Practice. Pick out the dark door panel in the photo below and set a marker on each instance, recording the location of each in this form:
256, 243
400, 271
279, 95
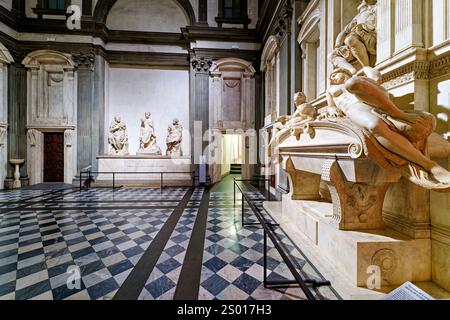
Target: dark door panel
53, 157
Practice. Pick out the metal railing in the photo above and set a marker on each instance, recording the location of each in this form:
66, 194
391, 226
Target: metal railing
270, 233
250, 181
90, 177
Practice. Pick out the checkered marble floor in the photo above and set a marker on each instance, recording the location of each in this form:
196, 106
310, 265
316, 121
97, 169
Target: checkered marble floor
162, 283
38, 246
103, 234
233, 258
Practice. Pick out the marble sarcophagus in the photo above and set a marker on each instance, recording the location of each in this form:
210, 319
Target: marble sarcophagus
338, 181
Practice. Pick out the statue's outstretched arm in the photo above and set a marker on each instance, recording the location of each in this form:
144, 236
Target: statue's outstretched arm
370, 92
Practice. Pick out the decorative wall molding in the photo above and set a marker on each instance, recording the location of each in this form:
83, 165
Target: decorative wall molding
440, 67
441, 233
415, 230
417, 70
96, 27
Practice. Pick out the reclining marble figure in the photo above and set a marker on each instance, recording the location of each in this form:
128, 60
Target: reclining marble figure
403, 134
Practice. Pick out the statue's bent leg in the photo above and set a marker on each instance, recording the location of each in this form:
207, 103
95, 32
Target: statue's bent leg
358, 49
362, 116
401, 146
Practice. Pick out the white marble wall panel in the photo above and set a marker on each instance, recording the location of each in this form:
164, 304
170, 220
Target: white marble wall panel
164, 93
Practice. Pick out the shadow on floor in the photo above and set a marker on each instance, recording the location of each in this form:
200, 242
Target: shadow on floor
49, 186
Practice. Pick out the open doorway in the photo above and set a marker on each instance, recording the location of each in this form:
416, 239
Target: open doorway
54, 157
232, 154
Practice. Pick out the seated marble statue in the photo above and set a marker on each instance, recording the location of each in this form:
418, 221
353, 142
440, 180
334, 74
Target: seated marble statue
368, 105
360, 34
147, 137
118, 137
174, 139
298, 122
343, 58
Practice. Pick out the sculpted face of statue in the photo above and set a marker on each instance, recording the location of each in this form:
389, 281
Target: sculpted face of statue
339, 76
299, 98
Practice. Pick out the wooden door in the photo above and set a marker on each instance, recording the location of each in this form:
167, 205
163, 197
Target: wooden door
54, 157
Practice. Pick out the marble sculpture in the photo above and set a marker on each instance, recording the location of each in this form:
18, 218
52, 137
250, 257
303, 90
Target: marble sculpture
118, 137
357, 102
174, 139
357, 43
147, 139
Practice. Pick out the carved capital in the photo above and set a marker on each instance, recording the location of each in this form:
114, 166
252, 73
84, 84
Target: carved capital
201, 64
84, 60
283, 26
18, 54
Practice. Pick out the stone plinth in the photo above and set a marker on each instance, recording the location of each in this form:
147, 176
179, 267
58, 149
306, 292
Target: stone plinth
399, 257
128, 169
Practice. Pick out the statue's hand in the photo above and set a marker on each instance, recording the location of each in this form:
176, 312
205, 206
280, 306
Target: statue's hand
282, 120
411, 117
330, 113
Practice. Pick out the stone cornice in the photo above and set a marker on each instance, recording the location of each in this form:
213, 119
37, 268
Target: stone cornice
417, 70
83, 54
407, 73
94, 28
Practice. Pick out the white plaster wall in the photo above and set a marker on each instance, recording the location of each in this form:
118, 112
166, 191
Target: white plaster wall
147, 15
164, 93
6, 3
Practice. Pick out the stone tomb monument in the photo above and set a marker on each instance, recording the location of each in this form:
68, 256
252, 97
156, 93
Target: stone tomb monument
144, 168
341, 163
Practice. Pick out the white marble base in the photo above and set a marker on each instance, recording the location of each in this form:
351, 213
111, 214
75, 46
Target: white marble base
344, 256
177, 170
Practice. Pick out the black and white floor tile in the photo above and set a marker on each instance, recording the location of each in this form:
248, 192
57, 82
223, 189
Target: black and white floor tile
103, 234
